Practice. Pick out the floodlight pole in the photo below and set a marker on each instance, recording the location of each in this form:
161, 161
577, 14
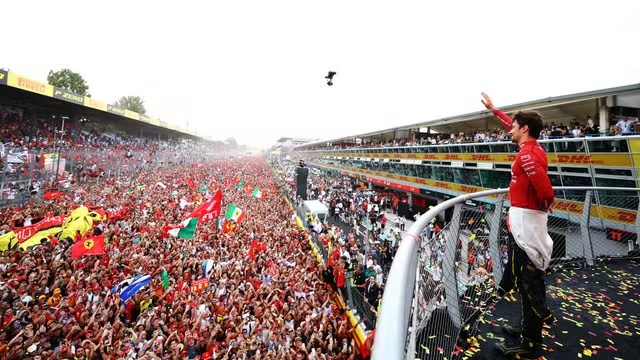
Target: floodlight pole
59, 149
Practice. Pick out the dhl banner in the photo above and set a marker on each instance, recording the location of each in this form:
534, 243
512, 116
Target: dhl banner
23, 83
623, 216
634, 148
606, 159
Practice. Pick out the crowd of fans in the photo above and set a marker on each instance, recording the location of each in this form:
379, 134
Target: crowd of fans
361, 236
269, 303
575, 129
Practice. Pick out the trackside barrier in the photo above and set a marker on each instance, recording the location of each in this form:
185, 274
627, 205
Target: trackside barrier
440, 283
320, 253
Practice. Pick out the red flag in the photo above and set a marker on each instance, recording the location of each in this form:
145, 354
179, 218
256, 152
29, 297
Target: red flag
52, 195
119, 214
209, 210
26, 232
256, 247
199, 285
90, 246
191, 183
229, 226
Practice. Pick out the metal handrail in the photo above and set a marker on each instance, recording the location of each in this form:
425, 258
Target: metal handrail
393, 319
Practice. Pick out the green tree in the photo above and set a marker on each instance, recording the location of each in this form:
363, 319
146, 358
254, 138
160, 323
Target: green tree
69, 80
131, 103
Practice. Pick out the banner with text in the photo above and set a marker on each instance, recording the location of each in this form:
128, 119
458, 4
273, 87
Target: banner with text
67, 95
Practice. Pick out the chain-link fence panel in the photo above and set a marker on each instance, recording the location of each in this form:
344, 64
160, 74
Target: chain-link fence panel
436, 313
614, 224
459, 264
455, 281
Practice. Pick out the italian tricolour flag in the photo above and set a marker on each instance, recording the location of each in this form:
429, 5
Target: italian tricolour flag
186, 229
234, 213
257, 193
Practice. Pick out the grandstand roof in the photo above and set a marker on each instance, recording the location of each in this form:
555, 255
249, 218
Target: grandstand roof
294, 141
19, 91
557, 109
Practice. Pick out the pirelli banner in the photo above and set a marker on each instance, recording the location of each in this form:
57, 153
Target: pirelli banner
26, 84
67, 95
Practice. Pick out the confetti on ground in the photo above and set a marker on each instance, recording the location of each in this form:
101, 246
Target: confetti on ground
597, 311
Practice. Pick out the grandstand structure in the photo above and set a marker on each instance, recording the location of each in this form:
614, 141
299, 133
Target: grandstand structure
436, 173
440, 163
49, 130
18, 91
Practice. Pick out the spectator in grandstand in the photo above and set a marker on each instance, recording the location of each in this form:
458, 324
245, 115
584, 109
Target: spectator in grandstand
531, 197
626, 125
577, 131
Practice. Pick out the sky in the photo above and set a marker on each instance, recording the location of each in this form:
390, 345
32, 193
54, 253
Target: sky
254, 70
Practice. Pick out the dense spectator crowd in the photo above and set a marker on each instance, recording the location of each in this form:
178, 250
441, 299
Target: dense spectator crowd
362, 234
575, 129
266, 302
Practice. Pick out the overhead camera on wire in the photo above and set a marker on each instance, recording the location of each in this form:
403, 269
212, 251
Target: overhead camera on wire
329, 77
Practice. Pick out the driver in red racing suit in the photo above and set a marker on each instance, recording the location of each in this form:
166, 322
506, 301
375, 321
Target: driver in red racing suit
530, 186
530, 191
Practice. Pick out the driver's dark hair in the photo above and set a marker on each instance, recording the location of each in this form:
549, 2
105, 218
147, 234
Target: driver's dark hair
532, 119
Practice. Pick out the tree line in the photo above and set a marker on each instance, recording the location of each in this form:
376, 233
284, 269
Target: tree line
73, 81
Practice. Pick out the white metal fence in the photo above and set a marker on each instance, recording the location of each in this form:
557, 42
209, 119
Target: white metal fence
435, 292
